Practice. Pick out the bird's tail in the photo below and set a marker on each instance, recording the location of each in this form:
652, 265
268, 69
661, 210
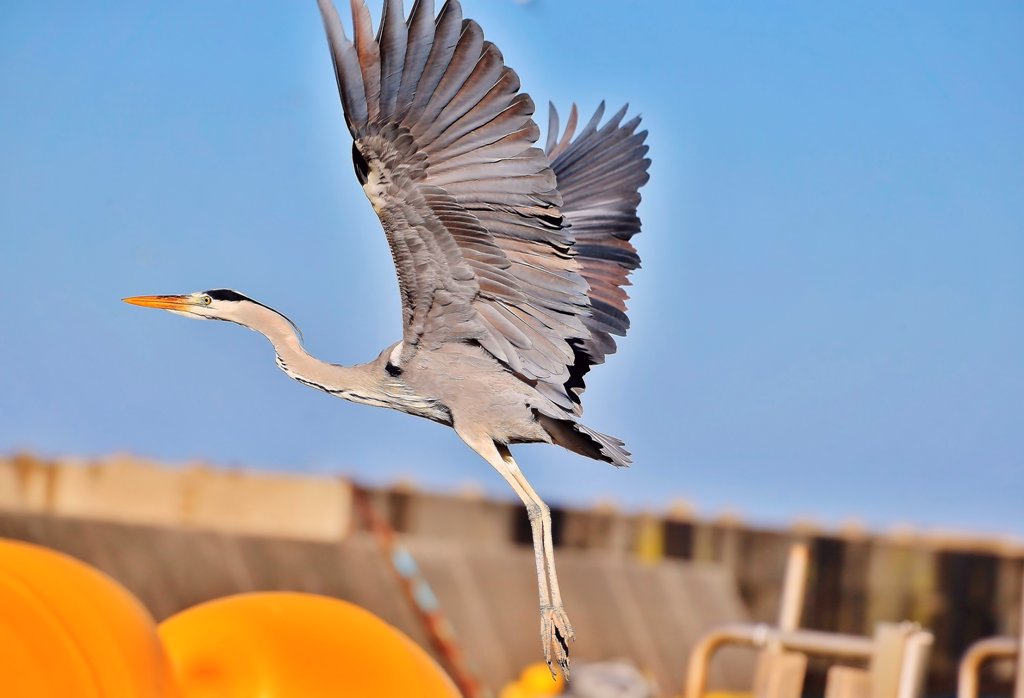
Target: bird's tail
585, 441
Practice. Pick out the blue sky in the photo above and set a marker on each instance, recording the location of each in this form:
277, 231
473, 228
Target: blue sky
828, 324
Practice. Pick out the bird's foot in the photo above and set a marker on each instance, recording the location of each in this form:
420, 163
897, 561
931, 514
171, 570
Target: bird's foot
555, 634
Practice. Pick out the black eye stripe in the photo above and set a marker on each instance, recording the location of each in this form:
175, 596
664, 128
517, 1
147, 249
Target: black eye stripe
226, 294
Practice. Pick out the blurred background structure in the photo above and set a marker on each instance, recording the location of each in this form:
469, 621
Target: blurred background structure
645, 587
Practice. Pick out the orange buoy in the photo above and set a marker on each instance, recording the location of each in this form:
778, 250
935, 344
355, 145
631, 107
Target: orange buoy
67, 629
290, 645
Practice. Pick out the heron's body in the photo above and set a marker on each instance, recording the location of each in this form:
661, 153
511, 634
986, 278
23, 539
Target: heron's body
443, 386
456, 383
511, 260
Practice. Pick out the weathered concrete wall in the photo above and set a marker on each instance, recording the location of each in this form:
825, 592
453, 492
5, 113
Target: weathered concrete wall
129, 489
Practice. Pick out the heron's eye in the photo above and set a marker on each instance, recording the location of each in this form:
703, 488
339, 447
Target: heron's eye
207, 300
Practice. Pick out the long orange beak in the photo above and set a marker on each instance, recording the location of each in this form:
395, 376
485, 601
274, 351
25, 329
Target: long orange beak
164, 302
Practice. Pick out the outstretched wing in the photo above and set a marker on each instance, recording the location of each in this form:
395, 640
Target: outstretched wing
599, 175
444, 151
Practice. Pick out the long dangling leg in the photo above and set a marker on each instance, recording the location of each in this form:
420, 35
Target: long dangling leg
555, 630
560, 628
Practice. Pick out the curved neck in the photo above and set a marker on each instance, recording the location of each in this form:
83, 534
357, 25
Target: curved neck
368, 384
292, 357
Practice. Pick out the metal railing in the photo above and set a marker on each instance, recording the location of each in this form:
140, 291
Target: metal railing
812, 642
897, 655
976, 655
989, 649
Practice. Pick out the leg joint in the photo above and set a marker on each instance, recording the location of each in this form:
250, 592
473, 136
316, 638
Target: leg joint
537, 511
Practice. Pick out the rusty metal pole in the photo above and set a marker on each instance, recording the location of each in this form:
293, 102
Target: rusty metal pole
421, 597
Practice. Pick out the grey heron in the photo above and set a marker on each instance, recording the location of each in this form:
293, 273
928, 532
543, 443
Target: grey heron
511, 259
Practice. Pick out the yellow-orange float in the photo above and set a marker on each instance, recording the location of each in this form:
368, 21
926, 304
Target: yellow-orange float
290, 645
535, 681
67, 629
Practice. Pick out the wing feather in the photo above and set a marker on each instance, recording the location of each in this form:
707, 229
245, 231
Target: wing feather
473, 94
392, 39
420, 38
444, 145
368, 52
463, 60
346, 62
600, 171
448, 27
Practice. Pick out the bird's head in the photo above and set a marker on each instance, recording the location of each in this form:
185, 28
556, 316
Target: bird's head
216, 304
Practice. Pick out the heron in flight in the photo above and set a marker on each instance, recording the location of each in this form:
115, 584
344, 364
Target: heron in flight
511, 259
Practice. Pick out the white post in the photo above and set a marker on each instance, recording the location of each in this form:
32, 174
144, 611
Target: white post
794, 587
914, 664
